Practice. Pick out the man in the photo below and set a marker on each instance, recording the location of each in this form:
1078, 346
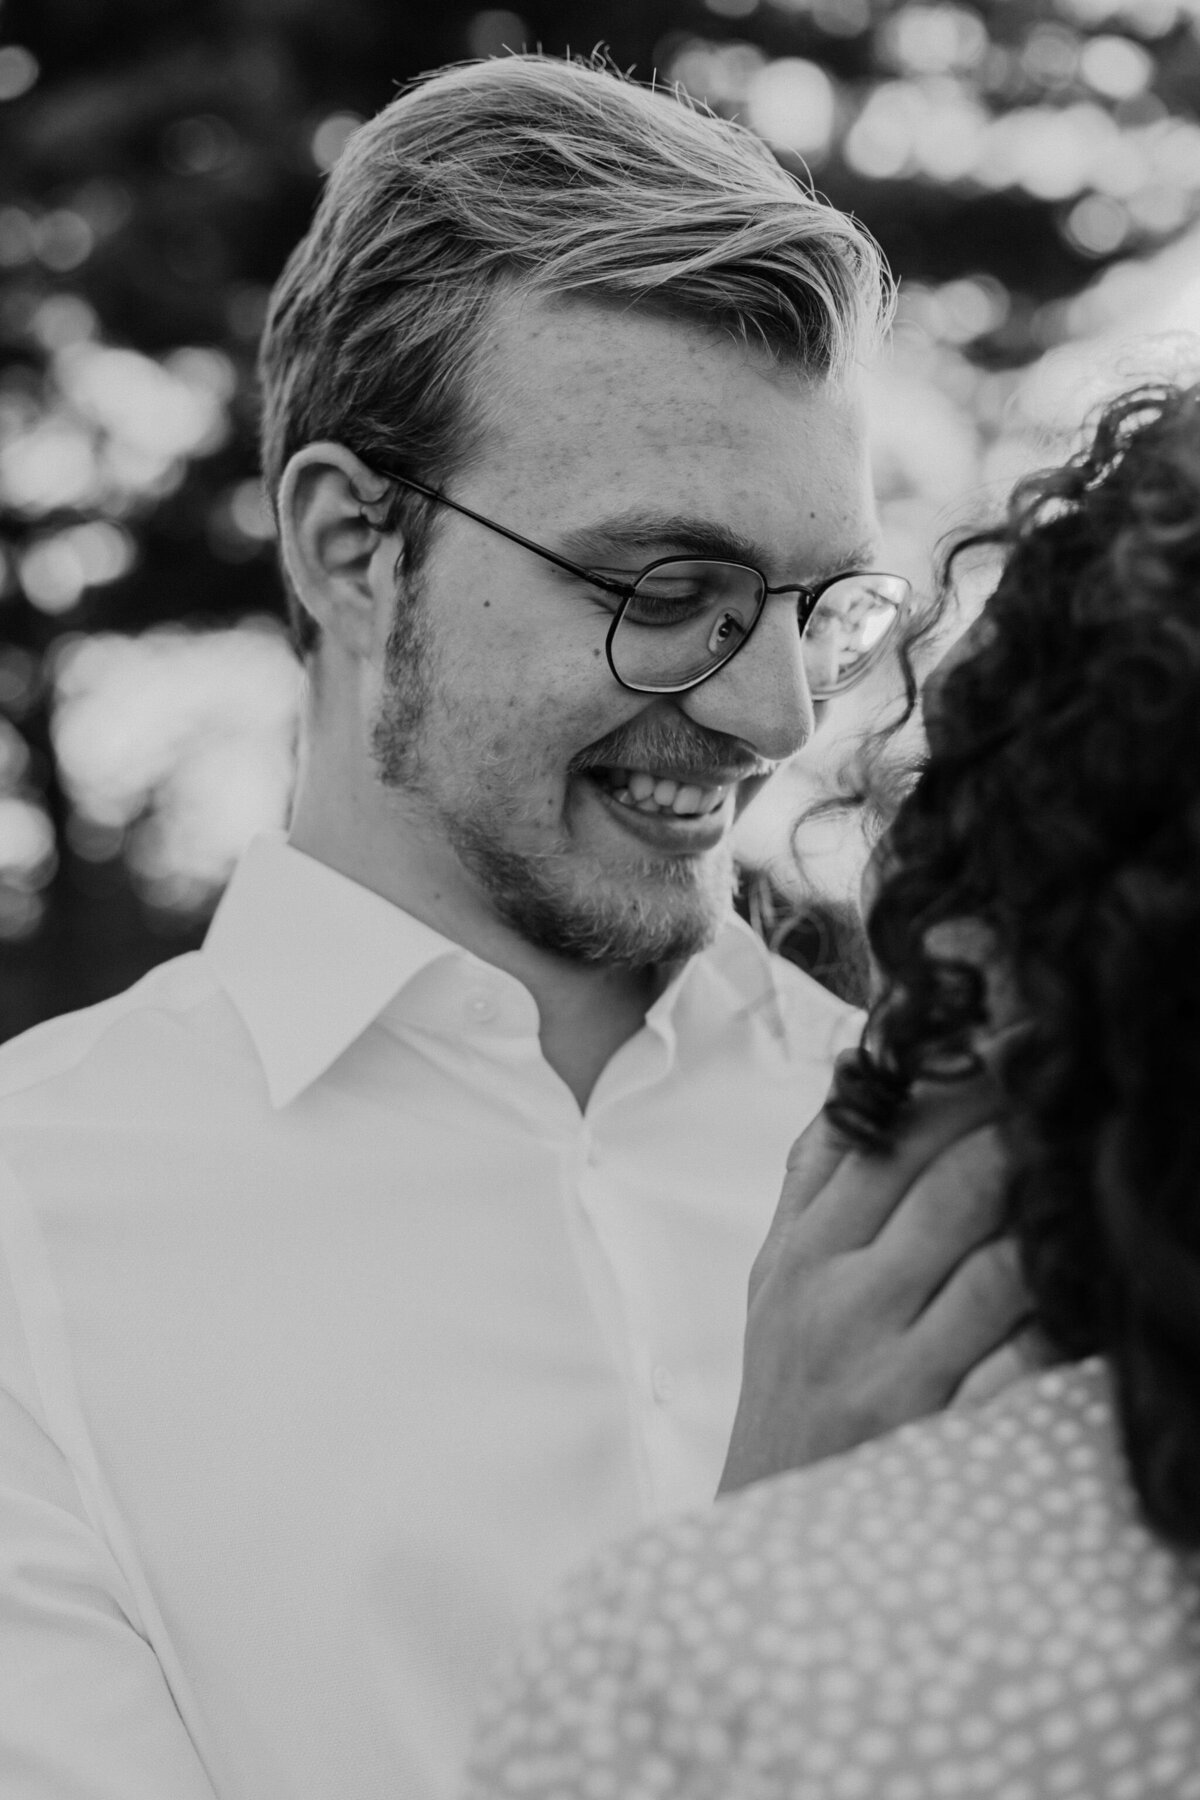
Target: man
370, 1268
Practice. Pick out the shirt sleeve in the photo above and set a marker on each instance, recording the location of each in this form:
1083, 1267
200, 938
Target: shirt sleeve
85, 1709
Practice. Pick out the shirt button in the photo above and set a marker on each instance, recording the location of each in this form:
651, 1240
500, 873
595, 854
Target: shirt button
481, 1007
662, 1384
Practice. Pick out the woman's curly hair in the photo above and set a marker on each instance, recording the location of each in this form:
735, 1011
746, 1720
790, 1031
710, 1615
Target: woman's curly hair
1057, 818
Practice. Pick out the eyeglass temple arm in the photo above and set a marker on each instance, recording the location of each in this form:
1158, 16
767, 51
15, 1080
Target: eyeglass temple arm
621, 589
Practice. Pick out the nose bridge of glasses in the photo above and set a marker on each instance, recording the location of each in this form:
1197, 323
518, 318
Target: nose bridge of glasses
806, 599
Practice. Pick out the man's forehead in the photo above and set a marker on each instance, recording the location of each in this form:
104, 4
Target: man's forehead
599, 413
563, 372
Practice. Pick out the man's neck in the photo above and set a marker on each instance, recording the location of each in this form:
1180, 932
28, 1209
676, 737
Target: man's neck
585, 1022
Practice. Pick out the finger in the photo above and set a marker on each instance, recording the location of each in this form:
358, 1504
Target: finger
820, 1146
984, 1303
956, 1204
811, 1161
864, 1189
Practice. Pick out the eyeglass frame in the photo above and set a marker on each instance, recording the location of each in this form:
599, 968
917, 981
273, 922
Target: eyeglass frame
625, 592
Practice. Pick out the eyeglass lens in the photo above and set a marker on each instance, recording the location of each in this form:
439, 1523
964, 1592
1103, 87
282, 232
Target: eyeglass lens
686, 618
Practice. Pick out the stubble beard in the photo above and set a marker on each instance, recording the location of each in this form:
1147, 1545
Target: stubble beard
658, 911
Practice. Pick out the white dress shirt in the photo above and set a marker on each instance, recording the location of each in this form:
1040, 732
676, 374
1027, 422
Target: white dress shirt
332, 1335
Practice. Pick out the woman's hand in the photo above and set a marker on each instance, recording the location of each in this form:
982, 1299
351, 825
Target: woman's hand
882, 1285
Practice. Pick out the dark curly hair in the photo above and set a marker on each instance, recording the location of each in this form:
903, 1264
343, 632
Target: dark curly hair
1057, 818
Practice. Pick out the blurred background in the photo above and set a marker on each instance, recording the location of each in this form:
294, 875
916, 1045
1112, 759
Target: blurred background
1031, 168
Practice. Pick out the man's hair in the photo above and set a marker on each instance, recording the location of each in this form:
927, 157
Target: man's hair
548, 178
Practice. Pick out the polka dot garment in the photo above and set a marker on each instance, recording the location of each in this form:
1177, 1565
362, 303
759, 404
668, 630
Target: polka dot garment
967, 1607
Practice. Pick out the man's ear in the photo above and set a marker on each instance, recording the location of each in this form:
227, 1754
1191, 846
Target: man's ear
340, 564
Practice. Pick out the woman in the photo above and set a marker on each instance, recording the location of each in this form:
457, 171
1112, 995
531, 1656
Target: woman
1003, 1601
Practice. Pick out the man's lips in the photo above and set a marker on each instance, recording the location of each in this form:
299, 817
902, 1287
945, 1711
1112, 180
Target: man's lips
664, 829
677, 813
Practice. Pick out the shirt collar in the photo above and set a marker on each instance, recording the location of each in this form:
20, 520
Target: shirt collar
741, 963
309, 959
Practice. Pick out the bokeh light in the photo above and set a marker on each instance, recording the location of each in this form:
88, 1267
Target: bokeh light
497, 30
719, 74
791, 103
116, 426
177, 746
1098, 224
56, 568
1115, 67
18, 71
937, 39
330, 138
28, 860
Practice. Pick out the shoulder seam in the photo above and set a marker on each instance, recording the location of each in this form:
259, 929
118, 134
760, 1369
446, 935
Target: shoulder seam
58, 1045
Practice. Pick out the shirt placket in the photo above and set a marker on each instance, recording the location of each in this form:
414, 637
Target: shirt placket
649, 1380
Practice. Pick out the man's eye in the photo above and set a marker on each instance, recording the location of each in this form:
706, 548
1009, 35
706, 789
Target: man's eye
665, 603
672, 587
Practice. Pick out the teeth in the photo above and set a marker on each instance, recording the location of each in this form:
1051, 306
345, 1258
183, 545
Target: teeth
647, 793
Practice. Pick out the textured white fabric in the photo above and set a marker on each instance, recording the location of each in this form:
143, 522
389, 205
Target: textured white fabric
968, 1607
332, 1335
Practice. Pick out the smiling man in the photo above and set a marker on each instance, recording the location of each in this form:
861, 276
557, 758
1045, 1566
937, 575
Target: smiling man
517, 797
366, 1271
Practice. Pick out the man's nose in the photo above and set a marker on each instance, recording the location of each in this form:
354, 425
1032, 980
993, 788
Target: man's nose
761, 695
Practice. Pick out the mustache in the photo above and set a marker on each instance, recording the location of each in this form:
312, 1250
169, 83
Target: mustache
670, 743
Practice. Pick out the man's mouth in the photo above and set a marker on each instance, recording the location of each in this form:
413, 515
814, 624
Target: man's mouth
649, 791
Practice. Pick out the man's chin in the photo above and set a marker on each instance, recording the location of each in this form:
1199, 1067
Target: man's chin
657, 912
629, 930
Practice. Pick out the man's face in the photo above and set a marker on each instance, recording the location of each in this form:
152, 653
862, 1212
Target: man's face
595, 822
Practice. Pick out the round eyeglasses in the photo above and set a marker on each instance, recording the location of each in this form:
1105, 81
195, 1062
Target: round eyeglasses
683, 618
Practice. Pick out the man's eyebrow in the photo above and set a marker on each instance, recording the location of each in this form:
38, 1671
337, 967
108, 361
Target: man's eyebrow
647, 531
863, 556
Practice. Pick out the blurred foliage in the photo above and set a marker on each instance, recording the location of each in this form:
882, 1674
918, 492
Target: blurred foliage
157, 163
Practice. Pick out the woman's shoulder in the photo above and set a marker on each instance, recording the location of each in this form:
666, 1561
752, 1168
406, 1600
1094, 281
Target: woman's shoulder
1049, 1441
969, 1600
1037, 1470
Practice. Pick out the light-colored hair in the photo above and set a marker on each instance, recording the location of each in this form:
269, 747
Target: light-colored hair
555, 179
